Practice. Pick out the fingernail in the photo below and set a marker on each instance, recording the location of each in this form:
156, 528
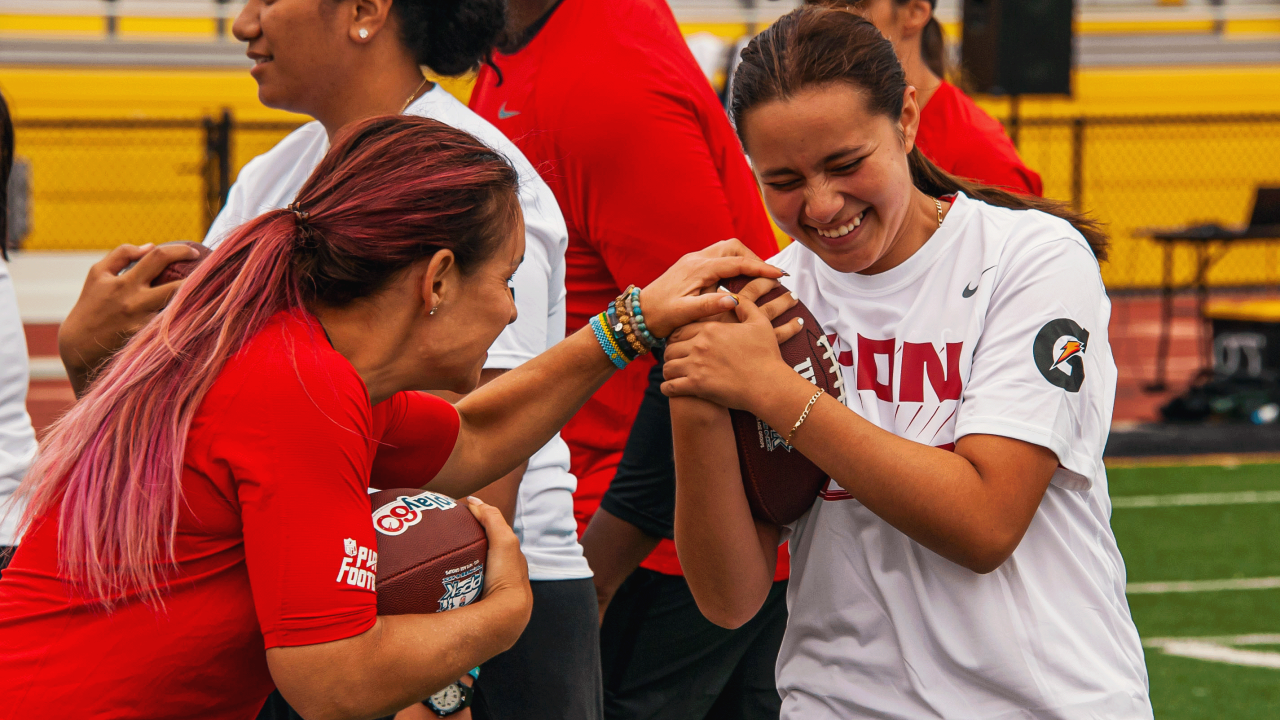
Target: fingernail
786, 274
148, 246
474, 500
795, 297
801, 321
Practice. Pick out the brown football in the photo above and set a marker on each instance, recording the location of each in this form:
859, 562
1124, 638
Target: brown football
781, 483
180, 269
431, 552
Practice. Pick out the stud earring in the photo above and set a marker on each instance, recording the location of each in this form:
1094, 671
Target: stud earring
364, 33
433, 311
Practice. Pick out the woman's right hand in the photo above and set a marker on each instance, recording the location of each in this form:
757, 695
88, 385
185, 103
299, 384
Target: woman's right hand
113, 305
506, 573
685, 292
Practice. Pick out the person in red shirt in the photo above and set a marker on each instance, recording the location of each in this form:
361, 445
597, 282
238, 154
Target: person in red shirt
956, 134
604, 97
189, 520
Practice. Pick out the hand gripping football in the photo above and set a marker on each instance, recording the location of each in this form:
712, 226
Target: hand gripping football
431, 552
781, 483
180, 269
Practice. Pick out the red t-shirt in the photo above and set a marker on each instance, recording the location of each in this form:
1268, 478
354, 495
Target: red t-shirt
275, 479
963, 140
610, 106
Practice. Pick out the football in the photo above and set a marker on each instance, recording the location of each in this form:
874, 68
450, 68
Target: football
431, 552
780, 482
180, 269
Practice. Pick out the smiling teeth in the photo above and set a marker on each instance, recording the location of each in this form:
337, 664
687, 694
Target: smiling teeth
843, 229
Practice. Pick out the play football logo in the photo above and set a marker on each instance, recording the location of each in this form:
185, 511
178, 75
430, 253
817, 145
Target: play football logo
1058, 352
396, 517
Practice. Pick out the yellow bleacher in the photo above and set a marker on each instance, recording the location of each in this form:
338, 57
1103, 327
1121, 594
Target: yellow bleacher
1182, 174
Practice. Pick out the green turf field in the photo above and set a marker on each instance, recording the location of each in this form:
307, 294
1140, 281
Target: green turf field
1212, 523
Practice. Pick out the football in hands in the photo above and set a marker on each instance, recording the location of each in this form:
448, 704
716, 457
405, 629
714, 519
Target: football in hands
781, 484
431, 552
180, 269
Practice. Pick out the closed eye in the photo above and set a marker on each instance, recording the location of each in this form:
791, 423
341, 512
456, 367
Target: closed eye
784, 184
847, 167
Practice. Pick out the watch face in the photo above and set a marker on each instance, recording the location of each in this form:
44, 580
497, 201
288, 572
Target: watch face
447, 699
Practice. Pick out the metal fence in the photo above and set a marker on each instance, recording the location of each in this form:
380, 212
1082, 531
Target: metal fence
1138, 173
98, 183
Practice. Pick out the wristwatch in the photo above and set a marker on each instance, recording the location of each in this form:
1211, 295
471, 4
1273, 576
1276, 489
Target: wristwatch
453, 698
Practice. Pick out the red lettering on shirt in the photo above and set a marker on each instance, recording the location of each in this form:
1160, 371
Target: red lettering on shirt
868, 370
921, 358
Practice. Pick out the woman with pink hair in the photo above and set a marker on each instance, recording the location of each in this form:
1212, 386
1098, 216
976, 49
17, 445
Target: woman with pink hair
195, 506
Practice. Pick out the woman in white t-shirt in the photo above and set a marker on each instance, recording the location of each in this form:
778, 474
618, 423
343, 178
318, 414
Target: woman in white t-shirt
17, 438
960, 562
343, 61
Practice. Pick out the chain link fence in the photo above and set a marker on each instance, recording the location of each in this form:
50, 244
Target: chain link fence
98, 183
1162, 172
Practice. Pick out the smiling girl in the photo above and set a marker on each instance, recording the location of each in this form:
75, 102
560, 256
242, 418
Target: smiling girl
960, 562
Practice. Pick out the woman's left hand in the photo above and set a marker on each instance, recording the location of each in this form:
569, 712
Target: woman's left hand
730, 364
685, 292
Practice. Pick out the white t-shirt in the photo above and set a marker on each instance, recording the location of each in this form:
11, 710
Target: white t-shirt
998, 325
544, 507
17, 438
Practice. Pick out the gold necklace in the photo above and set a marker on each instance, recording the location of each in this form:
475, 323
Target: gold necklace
413, 96
938, 202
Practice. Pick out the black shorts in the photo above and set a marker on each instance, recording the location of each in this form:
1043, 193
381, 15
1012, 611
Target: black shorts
662, 659
643, 490
553, 670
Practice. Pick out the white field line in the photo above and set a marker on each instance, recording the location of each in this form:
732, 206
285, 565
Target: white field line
1221, 649
1247, 497
1197, 586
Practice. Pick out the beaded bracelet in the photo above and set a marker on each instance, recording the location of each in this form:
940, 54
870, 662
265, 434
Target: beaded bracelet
623, 324
641, 328
615, 325
605, 338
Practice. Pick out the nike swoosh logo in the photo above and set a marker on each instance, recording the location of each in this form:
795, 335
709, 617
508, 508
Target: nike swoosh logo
969, 291
504, 113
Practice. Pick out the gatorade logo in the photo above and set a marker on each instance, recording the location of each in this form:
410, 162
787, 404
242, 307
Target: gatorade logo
1058, 352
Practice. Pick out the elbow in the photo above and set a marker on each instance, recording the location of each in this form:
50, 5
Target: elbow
985, 555
730, 609
729, 618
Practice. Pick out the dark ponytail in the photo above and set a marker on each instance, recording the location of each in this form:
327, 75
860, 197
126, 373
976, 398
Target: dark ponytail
6, 166
817, 45
451, 37
932, 49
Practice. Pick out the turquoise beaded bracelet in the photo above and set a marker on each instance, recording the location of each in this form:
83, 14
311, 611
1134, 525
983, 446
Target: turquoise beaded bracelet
647, 336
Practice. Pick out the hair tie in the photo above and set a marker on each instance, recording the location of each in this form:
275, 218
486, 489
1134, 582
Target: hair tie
298, 213
306, 234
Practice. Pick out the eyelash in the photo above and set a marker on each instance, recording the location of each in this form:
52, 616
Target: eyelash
792, 184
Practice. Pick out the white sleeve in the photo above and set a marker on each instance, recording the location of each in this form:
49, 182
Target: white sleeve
539, 283
232, 214
1042, 369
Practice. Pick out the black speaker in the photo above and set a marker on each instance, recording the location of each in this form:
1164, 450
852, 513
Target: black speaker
1017, 47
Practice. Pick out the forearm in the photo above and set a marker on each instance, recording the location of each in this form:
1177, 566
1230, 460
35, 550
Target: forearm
728, 557
968, 513
504, 493
614, 548
400, 661
509, 419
